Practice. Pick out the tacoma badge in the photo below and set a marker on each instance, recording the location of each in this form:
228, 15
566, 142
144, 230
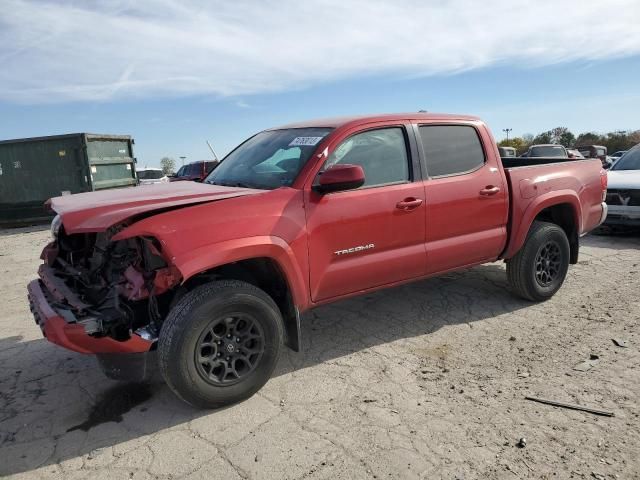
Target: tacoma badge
359, 248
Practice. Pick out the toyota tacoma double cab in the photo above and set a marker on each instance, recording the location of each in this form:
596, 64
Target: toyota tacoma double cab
213, 277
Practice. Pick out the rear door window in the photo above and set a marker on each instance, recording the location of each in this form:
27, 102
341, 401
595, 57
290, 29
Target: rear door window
451, 149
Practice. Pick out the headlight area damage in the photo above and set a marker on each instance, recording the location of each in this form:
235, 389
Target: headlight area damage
95, 295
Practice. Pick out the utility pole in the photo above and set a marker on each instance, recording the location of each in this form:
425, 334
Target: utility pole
215, 157
507, 130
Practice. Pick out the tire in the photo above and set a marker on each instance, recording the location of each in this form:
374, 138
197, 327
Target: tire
538, 270
206, 328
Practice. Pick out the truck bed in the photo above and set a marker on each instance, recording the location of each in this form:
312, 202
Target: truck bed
534, 182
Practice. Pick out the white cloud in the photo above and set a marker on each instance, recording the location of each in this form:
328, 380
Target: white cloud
101, 50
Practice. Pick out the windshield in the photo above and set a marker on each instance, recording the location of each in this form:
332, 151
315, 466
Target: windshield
548, 151
268, 160
180, 171
629, 161
150, 174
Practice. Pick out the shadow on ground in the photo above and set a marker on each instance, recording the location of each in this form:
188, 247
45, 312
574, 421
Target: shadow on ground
49, 396
56, 405
6, 231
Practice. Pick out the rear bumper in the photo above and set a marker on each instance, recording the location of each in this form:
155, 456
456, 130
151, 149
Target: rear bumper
72, 336
605, 212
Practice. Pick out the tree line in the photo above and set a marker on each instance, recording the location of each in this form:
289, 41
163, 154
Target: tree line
614, 141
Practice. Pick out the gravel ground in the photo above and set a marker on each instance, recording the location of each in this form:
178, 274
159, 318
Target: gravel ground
422, 381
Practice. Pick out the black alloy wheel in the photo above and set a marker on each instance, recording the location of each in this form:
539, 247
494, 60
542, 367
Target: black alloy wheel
548, 263
229, 349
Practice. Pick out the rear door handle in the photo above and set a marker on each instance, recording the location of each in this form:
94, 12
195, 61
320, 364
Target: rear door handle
489, 190
409, 203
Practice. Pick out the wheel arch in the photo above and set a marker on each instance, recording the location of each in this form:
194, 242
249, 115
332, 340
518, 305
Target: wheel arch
560, 208
563, 215
265, 262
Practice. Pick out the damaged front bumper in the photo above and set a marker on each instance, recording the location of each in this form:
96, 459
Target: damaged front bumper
73, 336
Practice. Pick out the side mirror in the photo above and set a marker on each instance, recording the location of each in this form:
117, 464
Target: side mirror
340, 177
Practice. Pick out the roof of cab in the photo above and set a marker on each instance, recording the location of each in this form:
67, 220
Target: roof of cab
336, 122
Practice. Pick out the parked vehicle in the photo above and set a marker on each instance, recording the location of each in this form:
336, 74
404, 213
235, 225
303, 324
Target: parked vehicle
150, 176
507, 151
618, 154
595, 151
35, 169
194, 171
573, 153
623, 193
548, 151
614, 157
215, 275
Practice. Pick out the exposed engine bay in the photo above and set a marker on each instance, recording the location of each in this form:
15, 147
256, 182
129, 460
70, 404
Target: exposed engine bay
111, 288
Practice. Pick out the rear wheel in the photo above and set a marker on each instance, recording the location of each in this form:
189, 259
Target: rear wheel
538, 270
220, 343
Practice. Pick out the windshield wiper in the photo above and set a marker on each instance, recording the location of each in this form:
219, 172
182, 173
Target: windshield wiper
242, 185
232, 184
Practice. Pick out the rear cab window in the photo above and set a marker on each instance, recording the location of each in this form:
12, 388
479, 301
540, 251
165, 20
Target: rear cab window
548, 151
150, 174
451, 149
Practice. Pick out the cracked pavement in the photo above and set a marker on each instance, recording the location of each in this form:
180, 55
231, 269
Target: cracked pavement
425, 380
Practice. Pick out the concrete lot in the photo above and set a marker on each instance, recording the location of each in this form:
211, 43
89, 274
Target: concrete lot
422, 381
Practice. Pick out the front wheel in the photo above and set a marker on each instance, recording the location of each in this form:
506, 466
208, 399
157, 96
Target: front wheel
220, 343
538, 270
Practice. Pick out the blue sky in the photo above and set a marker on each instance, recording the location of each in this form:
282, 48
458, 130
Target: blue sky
191, 72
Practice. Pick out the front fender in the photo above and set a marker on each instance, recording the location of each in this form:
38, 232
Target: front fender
192, 262
519, 229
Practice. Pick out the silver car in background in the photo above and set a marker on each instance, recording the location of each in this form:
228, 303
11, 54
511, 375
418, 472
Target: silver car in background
623, 191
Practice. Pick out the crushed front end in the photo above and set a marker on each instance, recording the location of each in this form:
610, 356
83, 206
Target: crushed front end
96, 295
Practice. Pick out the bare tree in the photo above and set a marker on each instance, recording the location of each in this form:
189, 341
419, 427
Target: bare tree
168, 165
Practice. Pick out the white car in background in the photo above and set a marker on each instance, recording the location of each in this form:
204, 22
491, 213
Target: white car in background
618, 154
623, 190
148, 176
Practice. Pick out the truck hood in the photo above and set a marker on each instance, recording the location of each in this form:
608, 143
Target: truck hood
628, 179
97, 211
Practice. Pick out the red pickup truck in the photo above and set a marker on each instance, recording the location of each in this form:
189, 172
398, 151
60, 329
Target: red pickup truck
214, 275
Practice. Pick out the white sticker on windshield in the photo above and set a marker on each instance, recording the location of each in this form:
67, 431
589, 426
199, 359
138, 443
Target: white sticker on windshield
305, 141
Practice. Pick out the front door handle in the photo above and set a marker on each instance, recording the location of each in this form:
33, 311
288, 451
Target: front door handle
409, 204
489, 190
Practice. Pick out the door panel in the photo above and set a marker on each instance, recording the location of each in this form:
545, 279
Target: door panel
464, 226
374, 235
387, 241
467, 203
